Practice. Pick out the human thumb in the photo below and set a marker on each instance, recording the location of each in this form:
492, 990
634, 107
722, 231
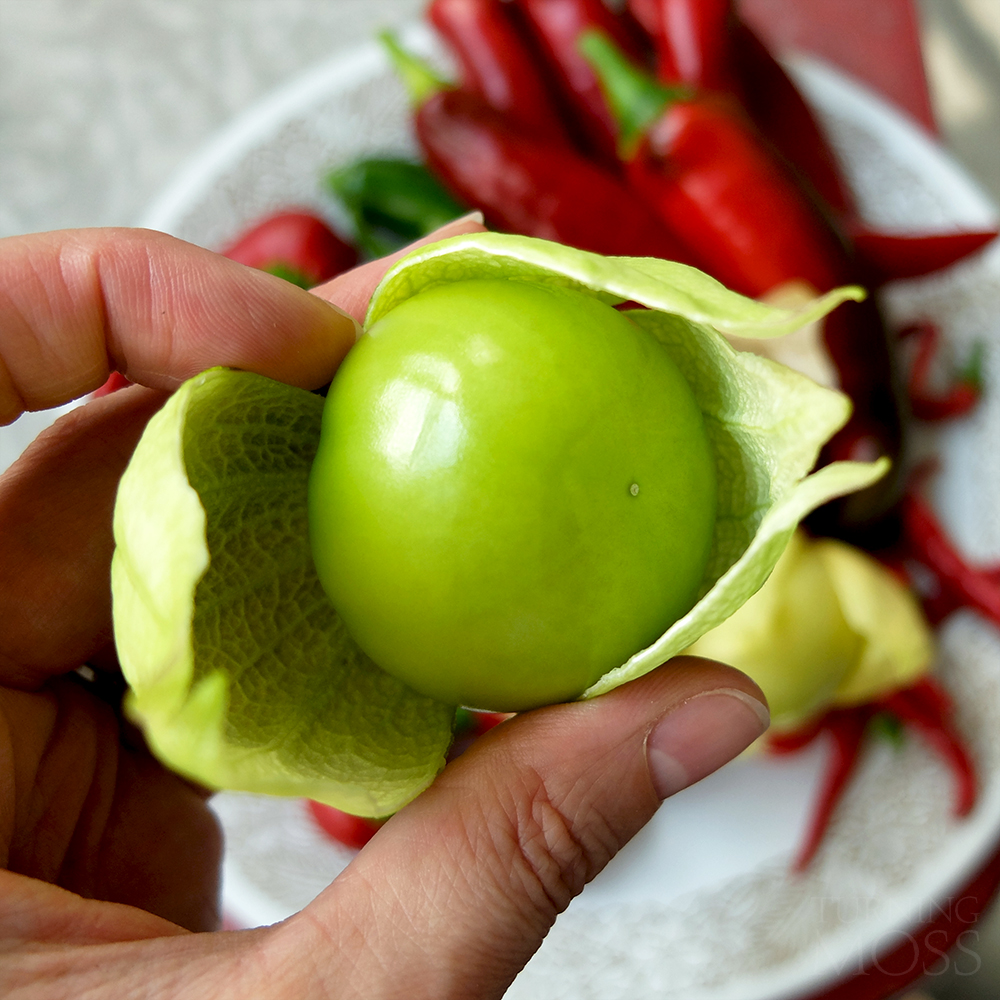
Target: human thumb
457, 891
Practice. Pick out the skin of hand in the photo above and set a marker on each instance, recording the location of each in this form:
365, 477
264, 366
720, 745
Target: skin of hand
110, 863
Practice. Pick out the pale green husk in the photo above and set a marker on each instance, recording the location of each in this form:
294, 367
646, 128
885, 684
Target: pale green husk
659, 284
243, 676
241, 673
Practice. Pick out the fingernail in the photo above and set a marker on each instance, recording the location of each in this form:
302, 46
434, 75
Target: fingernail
701, 735
476, 217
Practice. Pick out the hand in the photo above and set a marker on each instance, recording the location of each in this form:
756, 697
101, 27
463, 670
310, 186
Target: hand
111, 861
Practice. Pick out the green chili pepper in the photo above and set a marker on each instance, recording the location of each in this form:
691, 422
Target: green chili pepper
392, 202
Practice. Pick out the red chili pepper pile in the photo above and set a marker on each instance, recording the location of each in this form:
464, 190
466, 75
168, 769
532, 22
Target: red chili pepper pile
525, 182
558, 130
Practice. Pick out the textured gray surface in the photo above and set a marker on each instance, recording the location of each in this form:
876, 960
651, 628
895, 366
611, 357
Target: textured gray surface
962, 55
102, 100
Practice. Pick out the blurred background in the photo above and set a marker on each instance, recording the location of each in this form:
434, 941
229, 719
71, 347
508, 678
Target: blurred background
101, 101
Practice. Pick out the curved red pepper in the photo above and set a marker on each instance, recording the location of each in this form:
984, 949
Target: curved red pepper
691, 39
924, 706
847, 728
961, 397
497, 63
699, 42
927, 708
706, 174
294, 245
891, 256
702, 42
557, 26
700, 165
784, 118
925, 541
115, 382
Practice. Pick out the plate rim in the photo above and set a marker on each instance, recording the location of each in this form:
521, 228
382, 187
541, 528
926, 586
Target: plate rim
261, 120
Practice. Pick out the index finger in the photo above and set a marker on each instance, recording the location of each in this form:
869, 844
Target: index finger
55, 504
77, 304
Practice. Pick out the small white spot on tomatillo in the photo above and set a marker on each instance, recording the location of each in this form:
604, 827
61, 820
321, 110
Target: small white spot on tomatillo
634, 489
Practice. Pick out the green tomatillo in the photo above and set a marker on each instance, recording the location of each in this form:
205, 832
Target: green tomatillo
514, 492
245, 675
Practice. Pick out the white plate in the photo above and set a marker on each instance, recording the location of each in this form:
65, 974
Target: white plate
701, 904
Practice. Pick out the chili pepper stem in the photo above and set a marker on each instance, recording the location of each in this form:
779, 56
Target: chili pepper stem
971, 372
420, 81
636, 100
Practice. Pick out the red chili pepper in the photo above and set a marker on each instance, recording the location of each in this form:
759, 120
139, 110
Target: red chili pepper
690, 34
699, 164
924, 540
526, 186
115, 382
691, 39
557, 26
783, 117
497, 63
296, 246
965, 390
778, 109
693, 33
939, 606
928, 691
794, 740
702, 168
889, 257
523, 184
351, 831
926, 707
847, 728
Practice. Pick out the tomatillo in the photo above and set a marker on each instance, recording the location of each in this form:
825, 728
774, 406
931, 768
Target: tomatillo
514, 492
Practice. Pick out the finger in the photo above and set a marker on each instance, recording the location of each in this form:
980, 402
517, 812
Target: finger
352, 290
56, 503
55, 512
75, 305
481, 864
82, 811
